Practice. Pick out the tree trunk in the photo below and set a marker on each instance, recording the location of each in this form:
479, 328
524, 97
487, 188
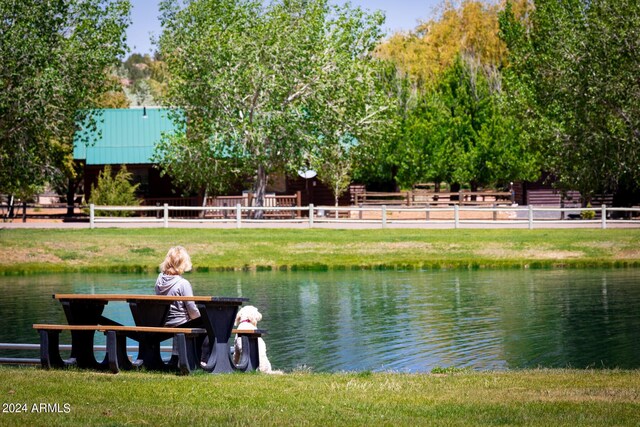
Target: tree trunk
336, 199
455, 188
71, 191
260, 190
474, 188
10, 206
204, 203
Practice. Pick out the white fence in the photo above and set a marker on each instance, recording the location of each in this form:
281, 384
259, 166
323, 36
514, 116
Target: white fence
380, 216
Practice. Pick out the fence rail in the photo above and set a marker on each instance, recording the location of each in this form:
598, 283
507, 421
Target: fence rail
63, 347
454, 216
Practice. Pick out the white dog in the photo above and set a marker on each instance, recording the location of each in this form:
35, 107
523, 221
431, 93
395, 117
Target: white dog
247, 319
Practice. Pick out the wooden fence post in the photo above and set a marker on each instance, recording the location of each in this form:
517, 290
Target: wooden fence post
238, 215
604, 217
92, 216
310, 215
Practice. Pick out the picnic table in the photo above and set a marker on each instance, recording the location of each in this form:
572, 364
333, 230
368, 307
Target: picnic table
84, 314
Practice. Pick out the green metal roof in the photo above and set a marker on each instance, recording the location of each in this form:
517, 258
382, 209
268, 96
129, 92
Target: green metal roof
124, 136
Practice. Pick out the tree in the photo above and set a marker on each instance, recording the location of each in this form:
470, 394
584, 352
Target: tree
461, 133
114, 190
451, 119
196, 168
573, 72
55, 60
469, 28
260, 83
334, 165
115, 96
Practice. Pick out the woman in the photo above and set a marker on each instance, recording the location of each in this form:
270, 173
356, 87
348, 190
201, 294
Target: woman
170, 282
183, 314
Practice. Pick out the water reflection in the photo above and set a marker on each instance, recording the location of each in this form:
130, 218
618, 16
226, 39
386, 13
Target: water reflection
402, 321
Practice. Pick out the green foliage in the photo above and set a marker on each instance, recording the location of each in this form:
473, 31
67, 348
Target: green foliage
144, 78
53, 71
195, 166
114, 190
573, 75
449, 370
334, 164
589, 214
263, 84
460, 132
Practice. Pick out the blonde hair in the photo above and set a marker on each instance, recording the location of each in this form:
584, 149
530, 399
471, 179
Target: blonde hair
176, 262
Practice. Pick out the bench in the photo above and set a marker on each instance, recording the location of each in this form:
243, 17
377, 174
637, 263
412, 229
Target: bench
250, 360
116, 356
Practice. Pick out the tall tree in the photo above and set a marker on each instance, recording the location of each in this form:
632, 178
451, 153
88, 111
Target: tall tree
261, 82
55, 60
574, 74
469, 27
460, 133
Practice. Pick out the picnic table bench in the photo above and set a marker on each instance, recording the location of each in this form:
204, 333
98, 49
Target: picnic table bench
116, 357
84, 316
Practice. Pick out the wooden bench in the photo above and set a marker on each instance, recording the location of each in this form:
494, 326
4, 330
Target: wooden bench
116, 357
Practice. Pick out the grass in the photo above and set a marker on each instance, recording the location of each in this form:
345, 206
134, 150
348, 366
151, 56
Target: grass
534, 398
447, 397
141, 250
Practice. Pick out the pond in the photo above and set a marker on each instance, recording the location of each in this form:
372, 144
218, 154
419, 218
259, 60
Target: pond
408, 321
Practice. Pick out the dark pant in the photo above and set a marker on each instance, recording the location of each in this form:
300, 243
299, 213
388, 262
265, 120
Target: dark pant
202, 343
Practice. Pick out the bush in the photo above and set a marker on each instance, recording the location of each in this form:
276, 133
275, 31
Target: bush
588, 214
114, 191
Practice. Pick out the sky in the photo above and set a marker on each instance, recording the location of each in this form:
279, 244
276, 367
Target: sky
402, 15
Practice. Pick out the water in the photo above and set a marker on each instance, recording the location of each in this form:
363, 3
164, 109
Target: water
391, 321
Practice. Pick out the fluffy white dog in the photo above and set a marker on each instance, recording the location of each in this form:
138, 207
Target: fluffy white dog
247, 319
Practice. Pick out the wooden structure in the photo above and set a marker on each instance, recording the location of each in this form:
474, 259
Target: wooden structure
247, 199
429, 198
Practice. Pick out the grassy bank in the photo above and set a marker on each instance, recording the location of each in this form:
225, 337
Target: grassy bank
130, 250
535, 398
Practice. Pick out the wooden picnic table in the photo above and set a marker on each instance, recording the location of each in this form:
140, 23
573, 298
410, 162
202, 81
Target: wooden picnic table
217, 314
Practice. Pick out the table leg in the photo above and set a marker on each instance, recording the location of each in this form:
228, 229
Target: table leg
83, 313
250, 359
218, 321
149, 354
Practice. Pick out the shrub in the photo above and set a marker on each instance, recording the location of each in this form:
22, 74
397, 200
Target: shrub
588, 214
114, 191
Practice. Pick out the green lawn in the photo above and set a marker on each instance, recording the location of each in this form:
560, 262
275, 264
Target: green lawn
530, 397
534, 398
131, 250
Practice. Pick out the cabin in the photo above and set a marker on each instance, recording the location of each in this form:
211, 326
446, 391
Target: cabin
127, 137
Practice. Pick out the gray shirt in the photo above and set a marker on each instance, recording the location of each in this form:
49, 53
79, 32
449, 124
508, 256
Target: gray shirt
180, 311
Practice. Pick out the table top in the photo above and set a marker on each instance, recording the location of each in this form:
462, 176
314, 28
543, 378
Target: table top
146, 297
